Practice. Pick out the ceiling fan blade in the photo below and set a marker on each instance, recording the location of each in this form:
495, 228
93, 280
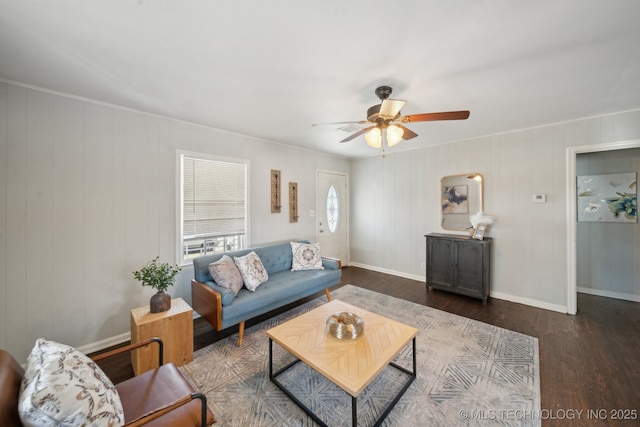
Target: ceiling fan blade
357, 134
360, 122
429, 117
390, 108
408, 133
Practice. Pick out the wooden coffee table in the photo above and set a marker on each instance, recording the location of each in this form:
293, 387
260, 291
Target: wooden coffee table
350, 364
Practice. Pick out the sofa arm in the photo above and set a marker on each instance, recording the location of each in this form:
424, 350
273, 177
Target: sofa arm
331, 263
207, 302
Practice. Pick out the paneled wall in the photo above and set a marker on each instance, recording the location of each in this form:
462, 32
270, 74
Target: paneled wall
395, 202
88, 195
608, 253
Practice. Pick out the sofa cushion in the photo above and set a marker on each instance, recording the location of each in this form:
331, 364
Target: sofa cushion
274, 258
252, 270
282, 288
63, 387
226, 274
305, 256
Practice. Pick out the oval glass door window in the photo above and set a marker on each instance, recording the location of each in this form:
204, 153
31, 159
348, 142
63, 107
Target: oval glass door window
332, 209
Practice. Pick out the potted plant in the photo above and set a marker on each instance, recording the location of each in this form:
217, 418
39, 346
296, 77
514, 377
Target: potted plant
159, 276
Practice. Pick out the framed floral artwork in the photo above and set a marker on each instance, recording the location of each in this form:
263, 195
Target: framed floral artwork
607, 198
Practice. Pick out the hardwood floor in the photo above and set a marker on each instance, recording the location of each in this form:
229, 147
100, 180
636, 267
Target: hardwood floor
589, 362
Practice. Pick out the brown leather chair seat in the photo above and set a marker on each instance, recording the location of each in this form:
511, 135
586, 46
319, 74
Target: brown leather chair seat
11, 374
159, 397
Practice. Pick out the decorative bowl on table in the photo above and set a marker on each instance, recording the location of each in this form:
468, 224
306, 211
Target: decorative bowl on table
345, 325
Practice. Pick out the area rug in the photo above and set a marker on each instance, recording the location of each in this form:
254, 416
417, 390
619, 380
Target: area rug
468, 373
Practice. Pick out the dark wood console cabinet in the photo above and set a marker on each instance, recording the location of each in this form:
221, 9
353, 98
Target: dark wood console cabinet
459, 264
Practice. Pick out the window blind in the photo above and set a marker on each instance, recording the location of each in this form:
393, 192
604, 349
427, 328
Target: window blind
213, 197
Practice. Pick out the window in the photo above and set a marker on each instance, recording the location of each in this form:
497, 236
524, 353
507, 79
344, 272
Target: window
332, 209
213, 208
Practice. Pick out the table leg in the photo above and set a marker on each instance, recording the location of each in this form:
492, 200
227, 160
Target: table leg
412, 376
354, 406
270, 359
354, 411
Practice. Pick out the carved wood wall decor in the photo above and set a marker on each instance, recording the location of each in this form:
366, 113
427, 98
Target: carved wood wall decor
276, 191
293, 202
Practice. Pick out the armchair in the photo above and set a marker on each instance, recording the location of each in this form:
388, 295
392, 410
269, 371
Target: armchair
159, 397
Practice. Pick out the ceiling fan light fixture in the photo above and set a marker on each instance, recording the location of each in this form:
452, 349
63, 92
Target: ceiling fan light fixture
374, 138
381, 133
394, 135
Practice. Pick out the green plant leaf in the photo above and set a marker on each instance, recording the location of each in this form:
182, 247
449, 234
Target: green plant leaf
157, 275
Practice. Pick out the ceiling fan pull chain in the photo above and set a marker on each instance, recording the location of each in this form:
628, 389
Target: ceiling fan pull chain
384, 144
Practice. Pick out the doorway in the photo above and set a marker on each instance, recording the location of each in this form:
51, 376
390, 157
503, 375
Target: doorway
572, 257
332, 226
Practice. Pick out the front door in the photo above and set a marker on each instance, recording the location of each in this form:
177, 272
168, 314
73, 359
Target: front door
332, 215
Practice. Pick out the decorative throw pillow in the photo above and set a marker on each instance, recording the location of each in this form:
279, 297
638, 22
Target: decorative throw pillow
252, 270
63, 387
226, 274
306, 256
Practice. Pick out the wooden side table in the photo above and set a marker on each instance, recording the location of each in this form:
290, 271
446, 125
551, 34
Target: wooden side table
174, 327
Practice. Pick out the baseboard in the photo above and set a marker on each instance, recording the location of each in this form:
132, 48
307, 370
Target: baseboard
530, 302
111, 341
609, 294
105, 343
387, 271
124, 337
497, 295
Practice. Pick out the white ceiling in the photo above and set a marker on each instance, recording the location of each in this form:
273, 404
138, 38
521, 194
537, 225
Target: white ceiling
271, 69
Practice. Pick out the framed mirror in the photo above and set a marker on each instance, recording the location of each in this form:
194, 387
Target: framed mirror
460, 197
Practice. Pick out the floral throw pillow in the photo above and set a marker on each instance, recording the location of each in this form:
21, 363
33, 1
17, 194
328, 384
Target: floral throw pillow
252, 271
306, 256
63, 387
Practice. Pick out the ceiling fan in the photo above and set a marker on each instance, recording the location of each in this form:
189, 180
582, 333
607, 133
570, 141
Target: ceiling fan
386, 124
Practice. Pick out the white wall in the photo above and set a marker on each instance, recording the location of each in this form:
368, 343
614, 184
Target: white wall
395, 202
87, 195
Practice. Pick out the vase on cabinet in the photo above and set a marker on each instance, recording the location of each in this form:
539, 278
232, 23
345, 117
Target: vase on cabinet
160, 301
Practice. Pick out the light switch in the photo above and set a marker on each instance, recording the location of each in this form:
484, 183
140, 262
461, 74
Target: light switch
539, 198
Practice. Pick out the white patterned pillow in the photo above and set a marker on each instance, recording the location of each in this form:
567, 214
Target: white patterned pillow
63, 387
252, 270
306, 256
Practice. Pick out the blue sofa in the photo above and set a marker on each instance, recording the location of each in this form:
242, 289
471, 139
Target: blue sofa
222, 309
